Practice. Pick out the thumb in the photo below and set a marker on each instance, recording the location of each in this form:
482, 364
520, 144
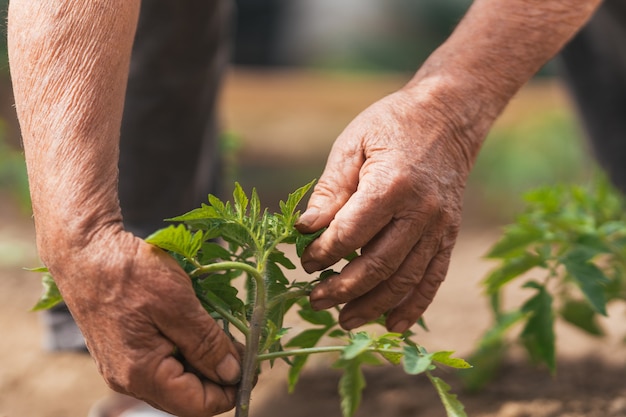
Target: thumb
336, 185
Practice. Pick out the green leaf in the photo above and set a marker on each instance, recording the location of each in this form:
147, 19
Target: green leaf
218, 289
288, 208
351, 387
255, 205
453, 406
294, 371
50, 296
589, 278
279, 257
210, 251
202, 213
177, 239
538, 334
416, 362
304, 240
516, 239
241, 201
323, 318
444, 357
358, 344
580, 314
37, 269
511, 269
308, 338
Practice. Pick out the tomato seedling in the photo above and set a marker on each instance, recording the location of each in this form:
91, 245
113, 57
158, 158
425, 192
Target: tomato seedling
252, 252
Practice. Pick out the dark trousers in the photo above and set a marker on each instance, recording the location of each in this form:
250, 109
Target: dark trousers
594, 67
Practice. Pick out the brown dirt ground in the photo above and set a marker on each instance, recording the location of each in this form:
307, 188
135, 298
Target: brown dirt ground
306, 107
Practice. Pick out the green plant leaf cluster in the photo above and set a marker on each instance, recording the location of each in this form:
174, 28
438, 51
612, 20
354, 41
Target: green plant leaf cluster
224, 241
568, 248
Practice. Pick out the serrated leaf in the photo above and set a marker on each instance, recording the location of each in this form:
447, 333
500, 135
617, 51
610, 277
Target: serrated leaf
50, 295
323, 318
211, 251
279, 257
453, 406
590, 279
351, 387
512, 268
337, 333
515, 241
289, 207
255, 205
444, 357
217, 288
204, 212
177, 239
358, 344
241, 201
416, 362
307, 338
304, 240
538, 333
580, 314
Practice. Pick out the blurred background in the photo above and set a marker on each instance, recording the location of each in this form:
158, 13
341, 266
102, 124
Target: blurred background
302, 70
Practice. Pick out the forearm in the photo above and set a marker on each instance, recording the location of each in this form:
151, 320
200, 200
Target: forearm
69, 63
497, 48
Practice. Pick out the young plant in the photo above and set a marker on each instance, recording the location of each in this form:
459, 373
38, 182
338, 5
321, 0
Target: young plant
252, 254
569, 247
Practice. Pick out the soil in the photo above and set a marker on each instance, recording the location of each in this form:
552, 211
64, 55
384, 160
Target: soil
590, 382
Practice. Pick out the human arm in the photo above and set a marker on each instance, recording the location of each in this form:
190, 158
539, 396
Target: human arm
395, 177
69, 62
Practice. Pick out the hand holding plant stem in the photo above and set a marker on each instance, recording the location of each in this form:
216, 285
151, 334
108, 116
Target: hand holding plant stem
251, 252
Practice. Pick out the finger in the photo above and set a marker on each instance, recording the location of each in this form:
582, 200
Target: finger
364, 215
389, 293
379, 259
200, 340
411, 308
185, 394
337, 183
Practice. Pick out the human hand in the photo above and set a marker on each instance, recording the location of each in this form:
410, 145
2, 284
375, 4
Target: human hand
134, 305
392, 186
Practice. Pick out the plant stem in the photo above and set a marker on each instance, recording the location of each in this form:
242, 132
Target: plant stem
225, 314
226, 265
287, 296
250, 362
321, 349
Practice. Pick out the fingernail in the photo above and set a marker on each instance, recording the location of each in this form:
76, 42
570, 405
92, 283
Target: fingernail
322, 303
229, 369
308, 217
353, 323
311, 266
400, 327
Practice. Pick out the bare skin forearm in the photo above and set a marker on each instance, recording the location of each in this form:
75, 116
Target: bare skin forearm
69, 63
496, 48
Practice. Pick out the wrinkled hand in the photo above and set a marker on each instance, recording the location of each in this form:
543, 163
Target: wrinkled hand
393, 187
133, 304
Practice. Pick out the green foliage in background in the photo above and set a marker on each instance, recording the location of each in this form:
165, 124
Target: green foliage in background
541, 149
13, 178
567, 250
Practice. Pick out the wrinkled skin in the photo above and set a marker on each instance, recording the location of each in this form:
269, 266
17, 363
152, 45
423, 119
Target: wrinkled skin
133, 337
392, 186
403, 174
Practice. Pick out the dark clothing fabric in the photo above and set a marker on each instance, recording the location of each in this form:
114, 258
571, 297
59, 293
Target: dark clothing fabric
169, 146
594, 67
